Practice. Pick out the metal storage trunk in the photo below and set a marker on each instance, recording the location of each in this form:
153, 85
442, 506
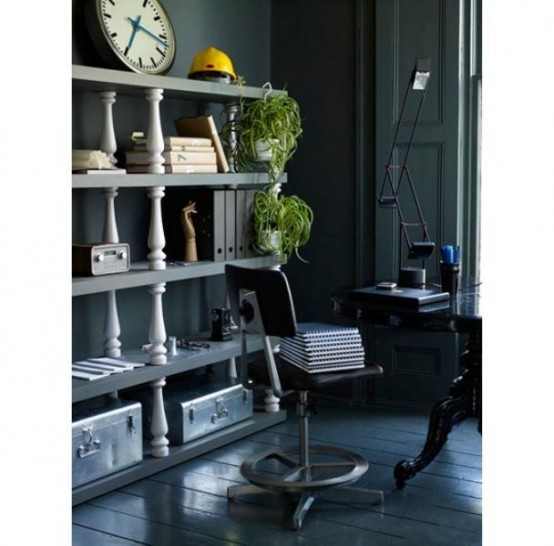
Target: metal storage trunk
198, 408
106, 437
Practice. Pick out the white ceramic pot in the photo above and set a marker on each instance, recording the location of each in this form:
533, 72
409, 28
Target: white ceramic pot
263, 149
271, 242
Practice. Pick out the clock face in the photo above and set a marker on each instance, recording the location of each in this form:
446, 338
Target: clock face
135, 33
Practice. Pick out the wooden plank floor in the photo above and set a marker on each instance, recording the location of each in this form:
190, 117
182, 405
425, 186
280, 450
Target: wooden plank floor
187, 505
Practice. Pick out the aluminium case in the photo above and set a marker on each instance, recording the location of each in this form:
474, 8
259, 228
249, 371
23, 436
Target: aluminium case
106, 438
199, 408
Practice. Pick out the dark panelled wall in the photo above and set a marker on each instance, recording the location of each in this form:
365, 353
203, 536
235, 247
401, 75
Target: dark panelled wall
313, 54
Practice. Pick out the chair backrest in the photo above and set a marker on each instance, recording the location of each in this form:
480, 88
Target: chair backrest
273, 295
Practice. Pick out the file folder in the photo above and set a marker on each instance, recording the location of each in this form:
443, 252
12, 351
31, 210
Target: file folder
230, 228
240, 224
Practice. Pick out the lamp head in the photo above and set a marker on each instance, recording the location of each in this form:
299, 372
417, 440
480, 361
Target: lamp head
421, 74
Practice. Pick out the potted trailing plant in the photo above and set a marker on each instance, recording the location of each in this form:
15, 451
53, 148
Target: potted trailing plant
267, 132
281, 223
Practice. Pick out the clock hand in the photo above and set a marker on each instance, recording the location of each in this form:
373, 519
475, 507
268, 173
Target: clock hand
165, 44
135, 28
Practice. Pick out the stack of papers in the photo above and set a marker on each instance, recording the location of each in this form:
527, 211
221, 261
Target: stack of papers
321, 347
97, 368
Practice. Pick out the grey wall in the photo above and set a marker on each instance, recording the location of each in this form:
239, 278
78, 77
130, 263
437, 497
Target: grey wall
232, 26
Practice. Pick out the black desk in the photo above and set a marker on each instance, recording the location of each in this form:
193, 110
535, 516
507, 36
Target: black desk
461, 315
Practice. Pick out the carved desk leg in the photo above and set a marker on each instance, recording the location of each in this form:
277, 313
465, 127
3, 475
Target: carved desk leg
463, 401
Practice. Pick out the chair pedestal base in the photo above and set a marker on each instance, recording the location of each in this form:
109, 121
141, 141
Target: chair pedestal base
309, 479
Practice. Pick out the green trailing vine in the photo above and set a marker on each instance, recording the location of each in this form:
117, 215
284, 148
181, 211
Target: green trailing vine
275, 121
288, 215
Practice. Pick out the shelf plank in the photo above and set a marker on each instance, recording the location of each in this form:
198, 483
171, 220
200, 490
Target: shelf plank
81, 181
185, 361
140, 275
177, 455
88, 78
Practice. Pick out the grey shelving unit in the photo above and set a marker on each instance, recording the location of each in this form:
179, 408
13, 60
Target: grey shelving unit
91, 79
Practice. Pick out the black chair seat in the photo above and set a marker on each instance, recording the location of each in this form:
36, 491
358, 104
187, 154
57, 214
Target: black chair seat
296, 379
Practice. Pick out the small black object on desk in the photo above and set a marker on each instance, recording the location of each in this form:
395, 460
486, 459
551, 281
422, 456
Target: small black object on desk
459, 314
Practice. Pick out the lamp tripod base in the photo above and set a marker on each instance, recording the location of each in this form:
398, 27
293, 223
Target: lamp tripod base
411, 277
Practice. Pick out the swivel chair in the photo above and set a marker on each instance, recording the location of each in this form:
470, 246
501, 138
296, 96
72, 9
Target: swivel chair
262, 301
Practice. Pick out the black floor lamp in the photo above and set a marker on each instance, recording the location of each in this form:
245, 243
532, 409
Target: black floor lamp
389, 195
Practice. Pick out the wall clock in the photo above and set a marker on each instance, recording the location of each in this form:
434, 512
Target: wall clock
132, 34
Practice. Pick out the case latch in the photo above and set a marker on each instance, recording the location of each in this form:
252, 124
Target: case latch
221, 412
131, 424
90, 445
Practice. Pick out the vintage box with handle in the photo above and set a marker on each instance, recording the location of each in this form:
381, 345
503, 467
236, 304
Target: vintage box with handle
106, 438
197, 407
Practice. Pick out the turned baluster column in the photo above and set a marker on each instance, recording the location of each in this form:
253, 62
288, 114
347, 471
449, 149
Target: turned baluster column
107, 140
156, 237
156, 261
112, 330
155, 140
110, 233
157, 334
271, 402
159, 426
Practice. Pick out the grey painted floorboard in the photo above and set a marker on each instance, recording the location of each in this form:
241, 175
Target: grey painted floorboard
187, 504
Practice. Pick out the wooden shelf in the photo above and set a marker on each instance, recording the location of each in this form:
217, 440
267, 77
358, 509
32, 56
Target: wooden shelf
177, 454
187, 360
140, 275
81, 181
87, 78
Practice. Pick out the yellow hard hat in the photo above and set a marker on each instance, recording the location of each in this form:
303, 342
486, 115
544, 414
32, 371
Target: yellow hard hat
211, 60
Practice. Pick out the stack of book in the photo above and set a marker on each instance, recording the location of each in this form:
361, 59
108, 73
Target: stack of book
321, 347
204, 127
181, 155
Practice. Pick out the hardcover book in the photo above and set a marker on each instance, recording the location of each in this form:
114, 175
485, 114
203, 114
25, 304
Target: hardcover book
173, 158
177, 148
204, 127
175, 169
178, 141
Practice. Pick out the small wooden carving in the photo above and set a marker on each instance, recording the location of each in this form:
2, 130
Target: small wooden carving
189, 232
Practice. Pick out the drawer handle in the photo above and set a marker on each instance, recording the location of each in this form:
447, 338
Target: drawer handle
90, 445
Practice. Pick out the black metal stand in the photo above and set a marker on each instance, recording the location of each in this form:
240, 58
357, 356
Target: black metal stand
416, 250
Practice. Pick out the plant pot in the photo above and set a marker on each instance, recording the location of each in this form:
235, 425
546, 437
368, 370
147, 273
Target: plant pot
264, 151
270, 242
